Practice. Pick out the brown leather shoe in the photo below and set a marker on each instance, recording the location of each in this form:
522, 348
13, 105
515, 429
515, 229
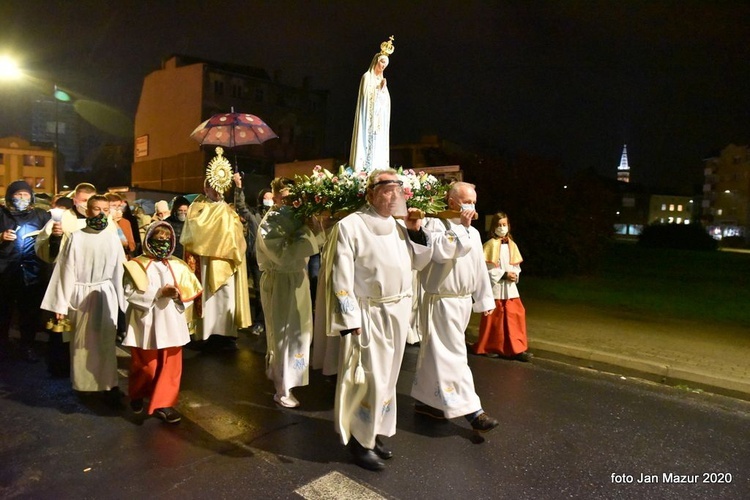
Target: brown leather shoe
484, 423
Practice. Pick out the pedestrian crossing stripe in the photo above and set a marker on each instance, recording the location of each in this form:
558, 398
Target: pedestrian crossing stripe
337, 486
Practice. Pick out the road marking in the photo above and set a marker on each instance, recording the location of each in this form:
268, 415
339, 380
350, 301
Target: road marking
217, 421
336, 486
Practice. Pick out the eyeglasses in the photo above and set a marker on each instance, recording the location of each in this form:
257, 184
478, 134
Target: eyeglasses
387, 181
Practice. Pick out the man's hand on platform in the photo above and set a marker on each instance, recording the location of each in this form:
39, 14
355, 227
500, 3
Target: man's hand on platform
414, 224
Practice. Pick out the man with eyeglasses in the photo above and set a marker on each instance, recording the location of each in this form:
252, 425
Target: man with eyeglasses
372, 281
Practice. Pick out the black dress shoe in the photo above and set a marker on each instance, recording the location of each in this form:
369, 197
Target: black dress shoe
365, 457
381, 450
524, 357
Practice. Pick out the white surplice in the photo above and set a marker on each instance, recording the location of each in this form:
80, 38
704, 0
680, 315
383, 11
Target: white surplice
372, 281
155, 322
285, 296
86, 285
325, 347
456, 275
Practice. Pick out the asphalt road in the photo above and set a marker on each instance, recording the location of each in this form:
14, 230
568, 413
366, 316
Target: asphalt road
565, 432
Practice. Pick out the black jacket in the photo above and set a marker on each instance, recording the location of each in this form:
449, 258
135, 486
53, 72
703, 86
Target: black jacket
20, 253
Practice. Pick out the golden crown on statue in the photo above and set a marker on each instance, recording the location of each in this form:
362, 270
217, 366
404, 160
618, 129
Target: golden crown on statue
386, 48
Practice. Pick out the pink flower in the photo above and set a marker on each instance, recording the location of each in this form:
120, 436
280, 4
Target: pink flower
296, 203
317, 198
408, 193
427, 187
317, 168
335, 180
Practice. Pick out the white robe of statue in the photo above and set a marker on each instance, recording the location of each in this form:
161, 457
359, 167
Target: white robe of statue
370, 148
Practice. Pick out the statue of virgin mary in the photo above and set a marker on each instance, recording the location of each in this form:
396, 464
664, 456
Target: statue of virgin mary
370, 144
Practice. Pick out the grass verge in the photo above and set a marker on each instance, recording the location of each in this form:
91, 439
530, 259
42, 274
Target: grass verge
709, 286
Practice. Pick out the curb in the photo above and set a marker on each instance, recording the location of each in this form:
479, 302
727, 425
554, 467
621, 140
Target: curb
673, 375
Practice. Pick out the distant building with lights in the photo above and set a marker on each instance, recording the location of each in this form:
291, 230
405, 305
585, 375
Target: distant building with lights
187, 90
725, 207
623, 170
670, 209
19, 159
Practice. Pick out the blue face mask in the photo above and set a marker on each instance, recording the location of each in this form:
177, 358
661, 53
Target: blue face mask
21, 204
467, 206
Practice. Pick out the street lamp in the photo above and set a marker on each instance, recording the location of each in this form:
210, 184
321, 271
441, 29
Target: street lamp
9, 70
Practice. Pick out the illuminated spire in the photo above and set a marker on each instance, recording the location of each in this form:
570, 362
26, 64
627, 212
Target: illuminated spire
623, 171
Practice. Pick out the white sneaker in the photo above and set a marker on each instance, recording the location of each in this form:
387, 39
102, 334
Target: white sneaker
288, 401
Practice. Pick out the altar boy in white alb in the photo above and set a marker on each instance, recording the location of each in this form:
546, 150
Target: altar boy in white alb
456, 277
87, 285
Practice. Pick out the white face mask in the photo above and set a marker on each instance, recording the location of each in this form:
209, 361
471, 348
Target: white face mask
467, 206
181, 217
21, 204
501, 231
267, 203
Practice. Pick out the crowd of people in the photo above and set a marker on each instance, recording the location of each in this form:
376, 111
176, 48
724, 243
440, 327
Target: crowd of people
105, 272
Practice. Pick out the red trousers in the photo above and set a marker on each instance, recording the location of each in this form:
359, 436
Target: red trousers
504, 331
155, 374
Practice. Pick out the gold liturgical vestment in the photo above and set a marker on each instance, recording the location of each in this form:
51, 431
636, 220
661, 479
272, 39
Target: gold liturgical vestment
213, 230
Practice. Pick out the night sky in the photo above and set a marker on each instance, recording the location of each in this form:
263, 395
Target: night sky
566, 80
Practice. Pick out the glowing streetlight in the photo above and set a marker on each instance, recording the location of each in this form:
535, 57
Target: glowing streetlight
9, 69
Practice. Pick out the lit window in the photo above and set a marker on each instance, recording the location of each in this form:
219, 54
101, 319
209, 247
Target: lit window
679, 220
719, 211
663, 206
679, 208
671, 220
31, 161
671, 207
687, 221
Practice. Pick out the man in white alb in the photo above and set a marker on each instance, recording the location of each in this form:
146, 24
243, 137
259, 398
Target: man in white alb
372, 282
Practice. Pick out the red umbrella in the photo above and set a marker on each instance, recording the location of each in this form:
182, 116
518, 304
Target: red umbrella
233, 129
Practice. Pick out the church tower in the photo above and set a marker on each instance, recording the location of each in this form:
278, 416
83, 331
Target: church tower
623, 171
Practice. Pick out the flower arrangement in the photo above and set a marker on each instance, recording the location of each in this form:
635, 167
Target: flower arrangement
323, 192
423, 191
